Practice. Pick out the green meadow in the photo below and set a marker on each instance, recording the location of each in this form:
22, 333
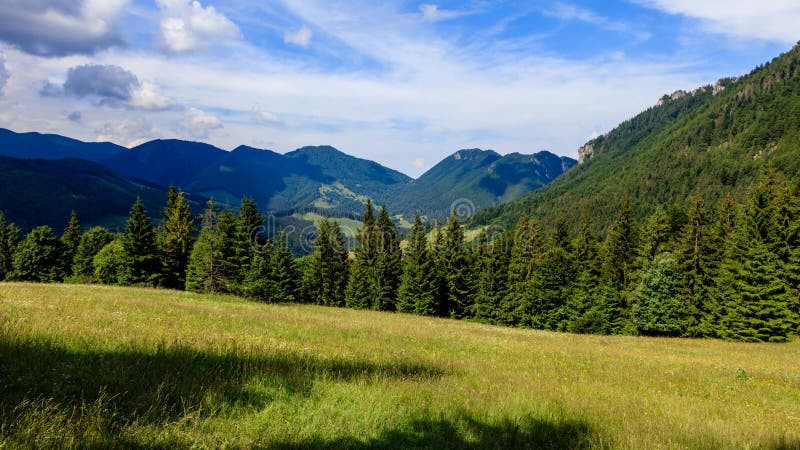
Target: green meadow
98, 367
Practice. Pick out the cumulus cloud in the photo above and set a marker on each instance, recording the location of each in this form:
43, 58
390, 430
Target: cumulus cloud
61, 27
130, 132
774, 21
301, 37
109, 85
187, 25
199, 124
4, 75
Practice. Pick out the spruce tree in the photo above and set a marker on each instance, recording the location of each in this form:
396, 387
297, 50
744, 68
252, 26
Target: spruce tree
360, 286
758, 305
698, 258
284, 271
551, 288
90, 245
388, 268
9, 237
418, 290
213, 265
526, 252
249, 233
492, 279
39, 257
70, 240
326, 274
175, 239
620, 253
259, 283
455, 270
139, 242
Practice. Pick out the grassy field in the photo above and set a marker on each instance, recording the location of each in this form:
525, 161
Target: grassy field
91, 366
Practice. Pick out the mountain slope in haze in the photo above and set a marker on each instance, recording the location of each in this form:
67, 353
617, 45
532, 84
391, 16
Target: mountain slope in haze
710, 142
43, 192
53, 146
319, 177
166, 161
476, 179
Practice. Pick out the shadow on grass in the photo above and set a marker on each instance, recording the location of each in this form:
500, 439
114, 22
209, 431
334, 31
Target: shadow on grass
160, 385
466, 433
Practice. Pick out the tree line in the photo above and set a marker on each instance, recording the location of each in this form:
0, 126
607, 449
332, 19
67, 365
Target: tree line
731, 272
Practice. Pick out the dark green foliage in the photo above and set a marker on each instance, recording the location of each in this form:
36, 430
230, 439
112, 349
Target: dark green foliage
699, 251
70, 240
39, 257
757, 301
418, 288
139, 242
325, 278
527, 247
90, 245
388, 268
360, 287
658, 308
491, 270
175, 239
552, 287
213, 265
9, 236
453, 264
620, 249
273, 274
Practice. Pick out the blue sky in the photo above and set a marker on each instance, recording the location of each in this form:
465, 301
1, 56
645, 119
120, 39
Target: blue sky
404, 83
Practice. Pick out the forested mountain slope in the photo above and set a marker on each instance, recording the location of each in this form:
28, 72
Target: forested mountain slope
712, 141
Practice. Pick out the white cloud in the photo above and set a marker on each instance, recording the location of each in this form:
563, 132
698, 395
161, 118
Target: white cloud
301, 37
572, 12
774, 20
186, 25
148, 96
432, 13
198, 123
130, 132
60, 28
261, 117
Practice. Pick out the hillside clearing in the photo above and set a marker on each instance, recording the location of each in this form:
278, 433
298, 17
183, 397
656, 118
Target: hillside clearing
94, 366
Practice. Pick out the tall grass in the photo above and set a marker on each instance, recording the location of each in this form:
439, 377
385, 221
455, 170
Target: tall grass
91, 366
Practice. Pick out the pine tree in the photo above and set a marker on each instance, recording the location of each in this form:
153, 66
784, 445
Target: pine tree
259, 283
326, 275
658, 309
70, 240
9, 237
175, 239
90, 245
418, 290
139, 242
39, 257
388, 268
360, 286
